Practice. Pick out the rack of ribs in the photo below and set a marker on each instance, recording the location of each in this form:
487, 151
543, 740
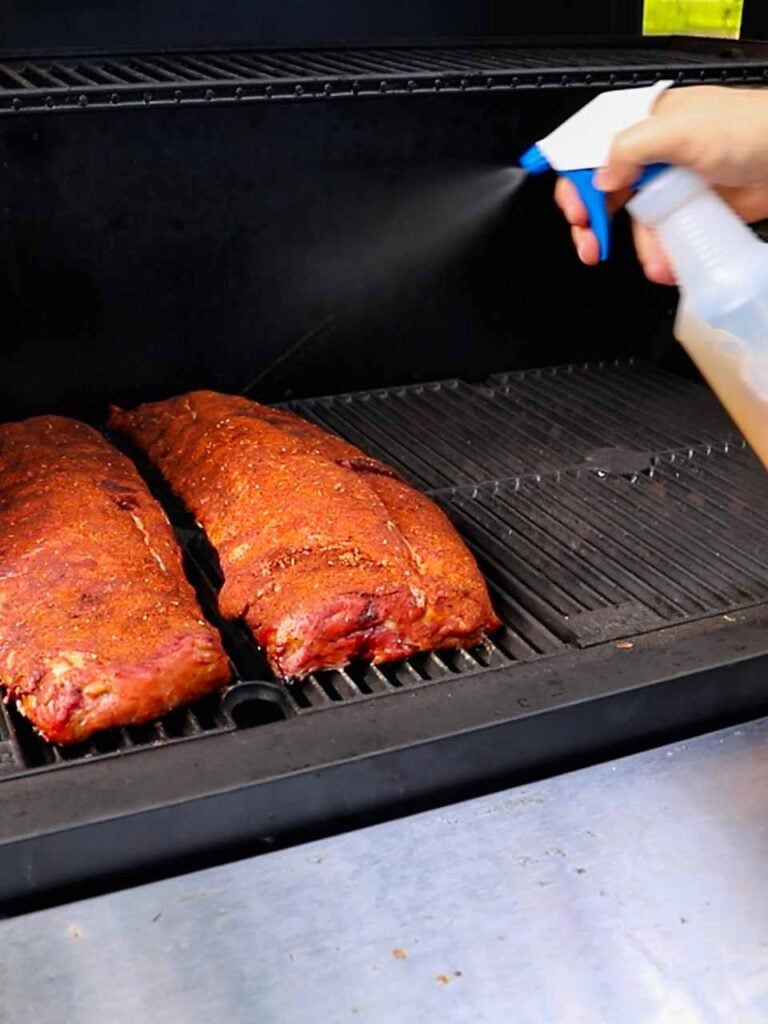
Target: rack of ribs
99, 627
326, 553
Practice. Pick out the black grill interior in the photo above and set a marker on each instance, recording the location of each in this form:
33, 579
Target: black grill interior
603, 501
38, 84
217, 218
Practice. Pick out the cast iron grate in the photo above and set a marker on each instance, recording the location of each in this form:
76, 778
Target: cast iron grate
563, 416
528, 423
76, 83
602, 501
598, 557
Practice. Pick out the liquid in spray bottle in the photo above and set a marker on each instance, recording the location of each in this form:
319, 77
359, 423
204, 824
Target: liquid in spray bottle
722, 270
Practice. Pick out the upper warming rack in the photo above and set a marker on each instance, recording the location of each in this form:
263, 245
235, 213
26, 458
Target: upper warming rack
42, 84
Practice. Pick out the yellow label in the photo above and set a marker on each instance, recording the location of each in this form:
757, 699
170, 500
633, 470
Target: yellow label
721, 18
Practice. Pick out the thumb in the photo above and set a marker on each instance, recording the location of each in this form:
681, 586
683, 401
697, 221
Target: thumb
654, 140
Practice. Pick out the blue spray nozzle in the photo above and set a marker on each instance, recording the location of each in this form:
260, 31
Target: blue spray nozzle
534, 161
596, 202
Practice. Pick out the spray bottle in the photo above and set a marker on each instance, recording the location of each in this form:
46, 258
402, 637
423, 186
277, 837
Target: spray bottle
721, 266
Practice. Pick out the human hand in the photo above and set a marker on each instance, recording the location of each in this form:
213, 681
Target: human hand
720, 132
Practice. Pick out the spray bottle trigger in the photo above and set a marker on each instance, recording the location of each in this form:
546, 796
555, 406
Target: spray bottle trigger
596, 203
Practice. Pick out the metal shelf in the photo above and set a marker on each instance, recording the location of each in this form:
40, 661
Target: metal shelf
37, 85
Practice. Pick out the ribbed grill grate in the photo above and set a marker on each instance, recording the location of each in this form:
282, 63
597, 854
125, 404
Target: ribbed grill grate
71, 83
599, 557
602, 501
528, 423
28, 750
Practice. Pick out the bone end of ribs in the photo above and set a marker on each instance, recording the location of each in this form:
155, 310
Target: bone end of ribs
99, 627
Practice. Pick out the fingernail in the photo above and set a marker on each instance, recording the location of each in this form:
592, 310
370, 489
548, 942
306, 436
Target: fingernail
580, 253
656, 271
604, 180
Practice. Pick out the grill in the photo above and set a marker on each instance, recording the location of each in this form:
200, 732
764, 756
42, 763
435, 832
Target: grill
602, 501
197, 78
610, 505
618, 516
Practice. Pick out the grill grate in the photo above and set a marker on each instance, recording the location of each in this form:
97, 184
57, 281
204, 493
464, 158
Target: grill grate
27, 750
602, 501
533, 422
598, 557
73, 83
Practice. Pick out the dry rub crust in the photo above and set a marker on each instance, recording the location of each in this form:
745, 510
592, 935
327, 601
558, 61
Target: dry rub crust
98, 625
326, 553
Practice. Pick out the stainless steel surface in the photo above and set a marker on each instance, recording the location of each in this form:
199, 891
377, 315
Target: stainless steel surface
629, 892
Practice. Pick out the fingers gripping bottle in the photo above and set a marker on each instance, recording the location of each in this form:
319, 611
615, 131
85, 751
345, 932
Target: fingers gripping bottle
721, 266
